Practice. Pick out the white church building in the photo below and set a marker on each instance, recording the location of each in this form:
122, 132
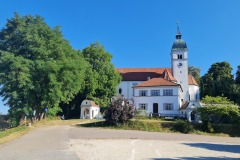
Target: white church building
167, 92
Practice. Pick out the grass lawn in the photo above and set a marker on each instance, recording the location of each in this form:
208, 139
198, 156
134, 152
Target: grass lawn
154, 125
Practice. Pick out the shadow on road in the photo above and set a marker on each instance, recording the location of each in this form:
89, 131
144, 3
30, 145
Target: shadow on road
216, 147
201, 158
94, 124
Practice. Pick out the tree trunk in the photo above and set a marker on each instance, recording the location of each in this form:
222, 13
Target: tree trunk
42, 116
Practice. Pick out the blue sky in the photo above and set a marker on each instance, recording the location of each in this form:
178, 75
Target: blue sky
140, 33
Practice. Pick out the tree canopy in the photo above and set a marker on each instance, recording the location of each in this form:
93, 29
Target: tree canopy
218, 80
38, 67
195, 72
100, 82
101, 78
238, 75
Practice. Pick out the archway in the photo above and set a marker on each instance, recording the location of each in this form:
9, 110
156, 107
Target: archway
86, 113
193, 116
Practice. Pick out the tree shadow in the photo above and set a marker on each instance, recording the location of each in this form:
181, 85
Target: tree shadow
201, 158
216, 147
94, 124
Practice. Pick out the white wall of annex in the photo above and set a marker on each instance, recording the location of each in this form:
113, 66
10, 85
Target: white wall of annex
160, 100
193, 91
127, 90
150, 100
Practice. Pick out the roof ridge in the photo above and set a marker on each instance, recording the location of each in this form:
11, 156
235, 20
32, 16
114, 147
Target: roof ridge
155, 82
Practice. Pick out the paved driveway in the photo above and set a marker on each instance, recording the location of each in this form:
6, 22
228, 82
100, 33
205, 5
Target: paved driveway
71, 143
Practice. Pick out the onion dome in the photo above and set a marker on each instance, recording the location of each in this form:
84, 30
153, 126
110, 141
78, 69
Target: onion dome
179, 44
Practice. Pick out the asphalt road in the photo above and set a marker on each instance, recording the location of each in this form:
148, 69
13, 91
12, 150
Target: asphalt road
72, 143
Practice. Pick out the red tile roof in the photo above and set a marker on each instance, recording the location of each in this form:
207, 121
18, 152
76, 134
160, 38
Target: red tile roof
142, 74
156, 82
168, 76
191, 80
184, 106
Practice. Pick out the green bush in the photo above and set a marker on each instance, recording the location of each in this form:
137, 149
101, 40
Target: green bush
119, 112
207, 127
230, 129
15, 115
183, 126
226, 114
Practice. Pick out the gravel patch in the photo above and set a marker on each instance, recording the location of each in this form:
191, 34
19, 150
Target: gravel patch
131, 149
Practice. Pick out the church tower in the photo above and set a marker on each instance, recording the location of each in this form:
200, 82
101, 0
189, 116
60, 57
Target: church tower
179, 60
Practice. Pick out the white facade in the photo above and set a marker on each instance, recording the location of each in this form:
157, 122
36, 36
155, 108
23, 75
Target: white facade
138, 83
163, 104
125, 89
194, 93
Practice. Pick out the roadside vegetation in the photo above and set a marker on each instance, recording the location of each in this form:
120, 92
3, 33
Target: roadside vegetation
173, 126
12, 133
219, 117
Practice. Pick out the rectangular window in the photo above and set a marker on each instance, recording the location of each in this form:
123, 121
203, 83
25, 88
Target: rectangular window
167, 92
167, 106
155, 92
143, 106
143, 93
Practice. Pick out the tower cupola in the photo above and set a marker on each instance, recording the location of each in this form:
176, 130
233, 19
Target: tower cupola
179, 43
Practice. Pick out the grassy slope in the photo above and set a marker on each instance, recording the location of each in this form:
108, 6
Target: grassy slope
151, 125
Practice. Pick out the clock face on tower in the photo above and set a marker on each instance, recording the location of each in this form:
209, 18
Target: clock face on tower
180, 65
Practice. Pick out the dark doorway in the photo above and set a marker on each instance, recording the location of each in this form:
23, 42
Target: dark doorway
155, 107
192, 116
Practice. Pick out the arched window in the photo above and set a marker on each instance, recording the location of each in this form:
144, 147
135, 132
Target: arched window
120, 90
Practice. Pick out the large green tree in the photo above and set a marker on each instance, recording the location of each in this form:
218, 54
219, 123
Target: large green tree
101, 78
38, 67
218, 80
237, 80
100, 83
